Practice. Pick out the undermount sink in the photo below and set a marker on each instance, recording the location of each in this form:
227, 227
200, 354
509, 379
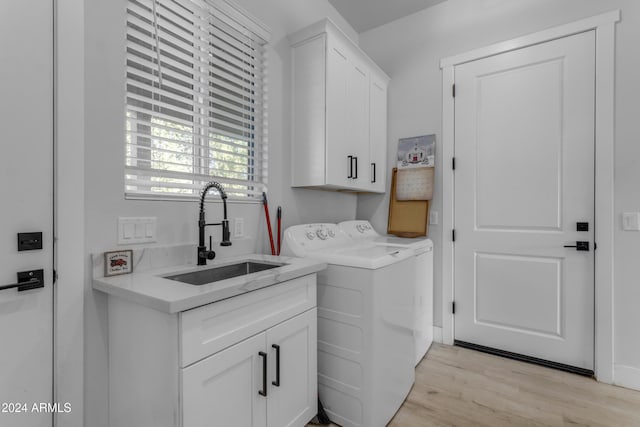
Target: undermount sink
203, 277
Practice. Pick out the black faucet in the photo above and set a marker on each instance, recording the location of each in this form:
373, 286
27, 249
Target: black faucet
203, 253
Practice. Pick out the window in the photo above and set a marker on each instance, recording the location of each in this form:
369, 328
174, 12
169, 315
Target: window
195, 100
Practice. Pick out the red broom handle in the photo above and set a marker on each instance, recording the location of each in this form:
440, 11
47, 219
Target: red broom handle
266, 214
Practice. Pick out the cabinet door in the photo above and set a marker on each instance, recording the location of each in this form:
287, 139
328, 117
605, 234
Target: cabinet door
378, 134
293, 393
223, 389
358, 120
339, 147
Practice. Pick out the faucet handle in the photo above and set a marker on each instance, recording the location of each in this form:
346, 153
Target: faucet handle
210, 253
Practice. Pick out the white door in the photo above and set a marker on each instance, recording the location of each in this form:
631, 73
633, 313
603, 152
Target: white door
293, 382
377, 134
524, 179
358, 120
347, 112
224, 389
26, 174
339, 155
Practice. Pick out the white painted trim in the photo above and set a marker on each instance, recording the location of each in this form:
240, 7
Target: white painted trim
535, 38
627, 376
69, 210
604, 25
448, 212
604, 200
437, 334
240, 15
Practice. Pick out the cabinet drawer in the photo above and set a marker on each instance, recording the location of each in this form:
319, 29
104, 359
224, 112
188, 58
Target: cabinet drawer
208, 329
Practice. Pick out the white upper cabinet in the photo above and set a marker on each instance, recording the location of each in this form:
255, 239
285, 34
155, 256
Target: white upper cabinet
339, 113
377, 132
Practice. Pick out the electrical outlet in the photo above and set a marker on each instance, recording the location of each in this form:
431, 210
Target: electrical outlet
238, 227
631, 221
433, 217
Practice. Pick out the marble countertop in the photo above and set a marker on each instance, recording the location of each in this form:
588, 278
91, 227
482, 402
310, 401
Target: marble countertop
151, 289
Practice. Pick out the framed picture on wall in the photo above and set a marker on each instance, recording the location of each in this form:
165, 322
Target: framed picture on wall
416, 152
118, 262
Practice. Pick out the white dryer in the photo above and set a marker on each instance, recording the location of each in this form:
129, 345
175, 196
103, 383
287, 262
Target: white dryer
365, 323
422, 247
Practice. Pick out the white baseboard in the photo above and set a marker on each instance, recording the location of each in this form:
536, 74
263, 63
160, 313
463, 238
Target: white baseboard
626, 376
437, 334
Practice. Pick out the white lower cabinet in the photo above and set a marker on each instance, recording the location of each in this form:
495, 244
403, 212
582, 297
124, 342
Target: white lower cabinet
292, 345
266, 380
223, 389
247, 361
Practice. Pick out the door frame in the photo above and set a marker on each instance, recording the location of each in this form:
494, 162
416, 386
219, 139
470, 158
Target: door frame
71, 263
604, 27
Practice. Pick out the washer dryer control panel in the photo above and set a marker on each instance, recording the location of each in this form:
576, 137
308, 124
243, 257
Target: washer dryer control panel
300, 239
358, 229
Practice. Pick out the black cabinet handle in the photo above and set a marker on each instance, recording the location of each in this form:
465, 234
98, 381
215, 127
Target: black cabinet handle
356, 175
263, 392
350, 167
373, 165
277, 381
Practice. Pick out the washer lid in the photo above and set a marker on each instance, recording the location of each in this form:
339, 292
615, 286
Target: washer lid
405, 242
367, 256
362, 230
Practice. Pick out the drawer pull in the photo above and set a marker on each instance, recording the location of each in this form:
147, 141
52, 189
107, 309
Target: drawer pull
263, 392
277, 381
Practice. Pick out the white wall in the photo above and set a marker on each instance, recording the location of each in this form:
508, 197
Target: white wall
410, 49
177, 221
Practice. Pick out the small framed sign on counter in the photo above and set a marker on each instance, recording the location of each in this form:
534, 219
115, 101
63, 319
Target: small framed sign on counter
118, 262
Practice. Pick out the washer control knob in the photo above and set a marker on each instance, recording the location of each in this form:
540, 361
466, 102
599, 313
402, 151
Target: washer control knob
310, 235
331, 233
361, 228
322, 234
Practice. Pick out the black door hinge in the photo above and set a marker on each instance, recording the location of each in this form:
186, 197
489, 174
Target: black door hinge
453, 235
453, 307
55, 276
453, 163
453, 90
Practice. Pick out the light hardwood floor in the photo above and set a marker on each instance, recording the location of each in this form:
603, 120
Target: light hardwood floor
459, 387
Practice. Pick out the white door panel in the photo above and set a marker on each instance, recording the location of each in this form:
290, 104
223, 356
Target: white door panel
377, 134
524, 143
292, 354
339, 147
224, 388
26, 171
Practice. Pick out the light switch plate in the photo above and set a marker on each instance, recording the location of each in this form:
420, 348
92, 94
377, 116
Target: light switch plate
238, 227
433, 217
631, 221
133, 230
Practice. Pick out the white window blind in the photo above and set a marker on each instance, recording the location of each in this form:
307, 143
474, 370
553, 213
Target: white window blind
196, 101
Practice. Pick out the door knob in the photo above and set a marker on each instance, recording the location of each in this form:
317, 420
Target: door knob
580, 246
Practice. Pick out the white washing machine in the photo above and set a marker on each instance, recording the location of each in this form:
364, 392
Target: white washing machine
365, 323
422, 247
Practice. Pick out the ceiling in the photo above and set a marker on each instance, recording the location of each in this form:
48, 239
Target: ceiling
366, 14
